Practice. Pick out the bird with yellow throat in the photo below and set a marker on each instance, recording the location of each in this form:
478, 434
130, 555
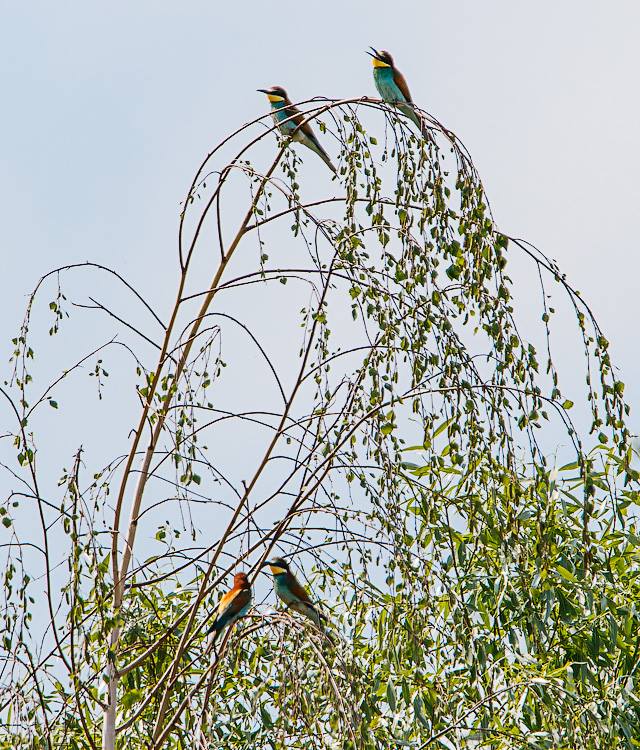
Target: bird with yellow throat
393, 88
291, 123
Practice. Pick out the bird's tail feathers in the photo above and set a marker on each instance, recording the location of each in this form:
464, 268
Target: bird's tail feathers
328, 162
322, 622
415, 117
315, 146
216, 630
329, 636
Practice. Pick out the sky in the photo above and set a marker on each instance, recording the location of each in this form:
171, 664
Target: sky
108, 109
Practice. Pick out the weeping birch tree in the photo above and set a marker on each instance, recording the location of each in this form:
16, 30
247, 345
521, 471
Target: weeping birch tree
357, 374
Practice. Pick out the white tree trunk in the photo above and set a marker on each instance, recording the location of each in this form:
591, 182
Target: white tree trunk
109, 720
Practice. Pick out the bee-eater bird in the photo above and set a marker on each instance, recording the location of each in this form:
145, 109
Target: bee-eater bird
393, 88
289, 121
291, 592
233, 605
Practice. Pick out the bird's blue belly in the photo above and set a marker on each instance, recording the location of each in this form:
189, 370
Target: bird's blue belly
279, 116
285, 594
387, 86
244, 611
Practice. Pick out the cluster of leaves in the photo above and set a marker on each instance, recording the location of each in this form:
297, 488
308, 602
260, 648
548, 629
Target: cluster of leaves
478, 597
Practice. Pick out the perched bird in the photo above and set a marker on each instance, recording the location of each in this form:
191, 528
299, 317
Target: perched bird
288, 119
291, 592
393, 88
233, 605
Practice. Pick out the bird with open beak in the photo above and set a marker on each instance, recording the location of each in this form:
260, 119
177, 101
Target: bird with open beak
392, 87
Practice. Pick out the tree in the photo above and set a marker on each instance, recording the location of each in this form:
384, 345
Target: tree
393, 438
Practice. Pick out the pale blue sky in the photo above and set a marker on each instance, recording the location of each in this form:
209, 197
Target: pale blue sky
107, 109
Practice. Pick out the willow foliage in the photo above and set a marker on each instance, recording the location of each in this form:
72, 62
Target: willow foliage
352, 389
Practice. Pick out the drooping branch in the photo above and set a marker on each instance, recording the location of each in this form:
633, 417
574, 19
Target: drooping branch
409, 341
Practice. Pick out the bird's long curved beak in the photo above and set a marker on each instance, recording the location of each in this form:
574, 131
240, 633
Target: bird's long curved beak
263, 91
373, 53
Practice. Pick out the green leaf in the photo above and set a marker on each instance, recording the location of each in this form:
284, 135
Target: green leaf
570, 467
266, 717
391, 696
566, 574
454, 271
442, 427
131, 697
